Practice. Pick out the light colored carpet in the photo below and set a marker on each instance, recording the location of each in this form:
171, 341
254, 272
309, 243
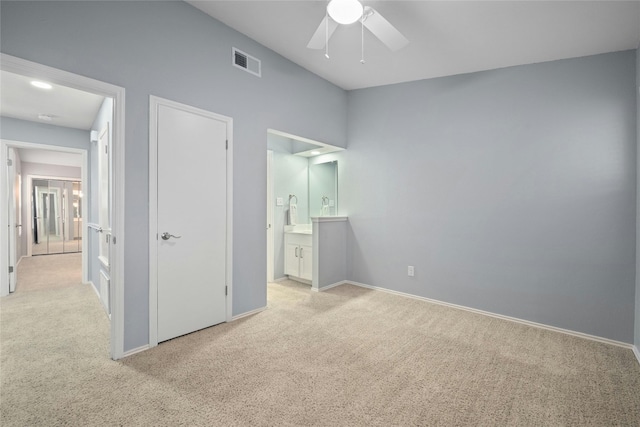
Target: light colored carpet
345, 357
49, 272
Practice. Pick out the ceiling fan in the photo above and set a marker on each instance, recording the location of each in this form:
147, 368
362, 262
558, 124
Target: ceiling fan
345, 12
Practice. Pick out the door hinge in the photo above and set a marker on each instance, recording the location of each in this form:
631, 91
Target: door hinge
11, 269
226, 290
226, 144
106, 149
113, 240
9, 162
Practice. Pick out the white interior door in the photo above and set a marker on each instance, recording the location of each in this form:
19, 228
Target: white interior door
191, 220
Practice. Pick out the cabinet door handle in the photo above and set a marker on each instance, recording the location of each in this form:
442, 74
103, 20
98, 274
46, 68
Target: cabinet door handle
296, 252
301, 253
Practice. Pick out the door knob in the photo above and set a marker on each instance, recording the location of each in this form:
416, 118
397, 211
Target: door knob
167, 236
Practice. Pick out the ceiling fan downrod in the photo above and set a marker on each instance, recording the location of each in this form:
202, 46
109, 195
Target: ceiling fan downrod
362, 39
326, 35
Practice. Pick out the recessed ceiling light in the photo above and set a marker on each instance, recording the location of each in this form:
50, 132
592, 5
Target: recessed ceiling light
41, 85
315, 153
45, 117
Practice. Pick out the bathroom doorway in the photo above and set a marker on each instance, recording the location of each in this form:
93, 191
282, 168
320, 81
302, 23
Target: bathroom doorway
290, 159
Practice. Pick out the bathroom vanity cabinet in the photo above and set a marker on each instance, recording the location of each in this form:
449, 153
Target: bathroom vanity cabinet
298, 259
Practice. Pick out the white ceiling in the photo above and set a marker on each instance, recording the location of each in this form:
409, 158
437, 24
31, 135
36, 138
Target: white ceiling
446, 37
67, 107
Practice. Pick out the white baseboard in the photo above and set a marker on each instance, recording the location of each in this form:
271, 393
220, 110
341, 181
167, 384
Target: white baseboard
299, 280
248, 313
18, 263
90, 283
333, 285
499, 316
636, 352
282, 279
135, 350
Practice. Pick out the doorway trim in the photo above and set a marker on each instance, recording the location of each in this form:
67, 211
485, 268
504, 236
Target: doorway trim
154, 104
270, 218
33, 69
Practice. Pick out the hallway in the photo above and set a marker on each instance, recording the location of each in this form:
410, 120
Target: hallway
49, 272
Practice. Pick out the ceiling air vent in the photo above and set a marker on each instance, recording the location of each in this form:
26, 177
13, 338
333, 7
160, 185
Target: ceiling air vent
246, 62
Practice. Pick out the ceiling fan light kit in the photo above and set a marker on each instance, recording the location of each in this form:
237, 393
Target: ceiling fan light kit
345, 11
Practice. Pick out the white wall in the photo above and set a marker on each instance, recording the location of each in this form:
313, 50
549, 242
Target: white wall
57, 171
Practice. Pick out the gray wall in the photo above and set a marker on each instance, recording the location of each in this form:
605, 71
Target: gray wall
637, 317
172, 50
329, 252
511, 191
39, 133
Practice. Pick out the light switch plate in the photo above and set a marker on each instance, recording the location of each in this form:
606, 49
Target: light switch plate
279, 201
332, 203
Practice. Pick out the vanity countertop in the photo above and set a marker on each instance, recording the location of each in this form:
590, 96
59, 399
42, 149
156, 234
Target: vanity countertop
298, 229
299, 232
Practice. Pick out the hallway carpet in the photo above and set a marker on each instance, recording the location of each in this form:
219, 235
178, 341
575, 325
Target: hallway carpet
49, 272
345, 357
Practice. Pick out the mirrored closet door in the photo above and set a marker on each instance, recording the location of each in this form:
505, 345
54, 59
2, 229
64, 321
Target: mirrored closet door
57, 216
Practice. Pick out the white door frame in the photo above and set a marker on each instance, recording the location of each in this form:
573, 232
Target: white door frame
11, 206
154, 103
270, 230
32, 69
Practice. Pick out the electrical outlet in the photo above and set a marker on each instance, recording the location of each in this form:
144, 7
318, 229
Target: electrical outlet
410, 271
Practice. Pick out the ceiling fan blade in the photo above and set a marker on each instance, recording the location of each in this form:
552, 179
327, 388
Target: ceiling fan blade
319, 38
382, 29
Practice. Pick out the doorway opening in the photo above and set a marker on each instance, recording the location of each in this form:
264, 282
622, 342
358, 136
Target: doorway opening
293, 198
44, 211
65, 199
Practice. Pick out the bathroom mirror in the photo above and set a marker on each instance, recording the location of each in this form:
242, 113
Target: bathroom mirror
323, 189
301, 169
